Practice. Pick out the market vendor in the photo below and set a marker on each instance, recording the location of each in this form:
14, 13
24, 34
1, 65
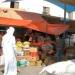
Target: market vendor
47, 51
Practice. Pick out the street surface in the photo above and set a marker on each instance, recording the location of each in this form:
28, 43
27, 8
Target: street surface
30, 70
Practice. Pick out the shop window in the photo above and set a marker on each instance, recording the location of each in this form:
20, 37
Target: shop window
14, 4
46, 10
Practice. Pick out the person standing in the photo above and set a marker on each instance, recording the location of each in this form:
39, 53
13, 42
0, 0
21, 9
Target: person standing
59, 49
9, 51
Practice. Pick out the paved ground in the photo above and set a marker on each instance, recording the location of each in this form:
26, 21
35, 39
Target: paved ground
34, 70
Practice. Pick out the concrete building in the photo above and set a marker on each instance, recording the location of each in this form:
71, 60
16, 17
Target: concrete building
37, 6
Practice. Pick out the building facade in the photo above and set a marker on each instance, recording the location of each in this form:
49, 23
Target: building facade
37, 6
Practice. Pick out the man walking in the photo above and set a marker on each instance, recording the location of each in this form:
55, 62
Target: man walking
9, 48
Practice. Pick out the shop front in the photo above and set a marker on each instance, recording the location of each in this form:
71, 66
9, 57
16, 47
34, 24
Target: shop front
37, 31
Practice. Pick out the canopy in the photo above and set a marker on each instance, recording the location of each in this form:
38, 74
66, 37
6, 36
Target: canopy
57, 29
31, 20
54, 29
60, 3
14, 22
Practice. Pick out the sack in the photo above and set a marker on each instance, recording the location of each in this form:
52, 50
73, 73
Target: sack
2, 60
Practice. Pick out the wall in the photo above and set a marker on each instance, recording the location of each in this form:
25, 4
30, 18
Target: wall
55, 10
73, 15
32, 5
37, 7
5, 5
27, 5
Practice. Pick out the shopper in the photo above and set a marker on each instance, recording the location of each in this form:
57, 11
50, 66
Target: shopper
9, 48
59, 49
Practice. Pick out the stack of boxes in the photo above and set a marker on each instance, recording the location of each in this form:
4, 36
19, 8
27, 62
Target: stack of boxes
33, 56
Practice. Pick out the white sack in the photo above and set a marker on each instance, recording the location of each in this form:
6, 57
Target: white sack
61, 68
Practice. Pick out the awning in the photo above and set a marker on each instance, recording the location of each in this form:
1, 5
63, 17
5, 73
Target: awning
54, 29
14, 22
39, 24
57, 29
30, 20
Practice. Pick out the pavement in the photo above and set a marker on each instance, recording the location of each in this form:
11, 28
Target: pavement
29, 70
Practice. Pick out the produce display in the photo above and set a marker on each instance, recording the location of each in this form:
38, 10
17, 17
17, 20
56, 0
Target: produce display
27, 55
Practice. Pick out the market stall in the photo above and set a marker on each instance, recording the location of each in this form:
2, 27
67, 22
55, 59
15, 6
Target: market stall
35, 22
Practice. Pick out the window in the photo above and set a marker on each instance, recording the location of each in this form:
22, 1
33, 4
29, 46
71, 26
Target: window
46, 10
14, 4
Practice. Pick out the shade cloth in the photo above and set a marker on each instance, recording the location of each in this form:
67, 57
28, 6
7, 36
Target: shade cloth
13, 22
57, 29
30, 20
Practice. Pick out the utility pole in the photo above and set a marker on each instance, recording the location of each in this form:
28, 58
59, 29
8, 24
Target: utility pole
65, 7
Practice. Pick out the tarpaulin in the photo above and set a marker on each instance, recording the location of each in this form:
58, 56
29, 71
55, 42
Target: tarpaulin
14, 22
30, 20
54, 29
57, 29
38, 23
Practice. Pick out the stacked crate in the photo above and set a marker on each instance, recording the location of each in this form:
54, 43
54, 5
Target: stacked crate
33, 56
27, 55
